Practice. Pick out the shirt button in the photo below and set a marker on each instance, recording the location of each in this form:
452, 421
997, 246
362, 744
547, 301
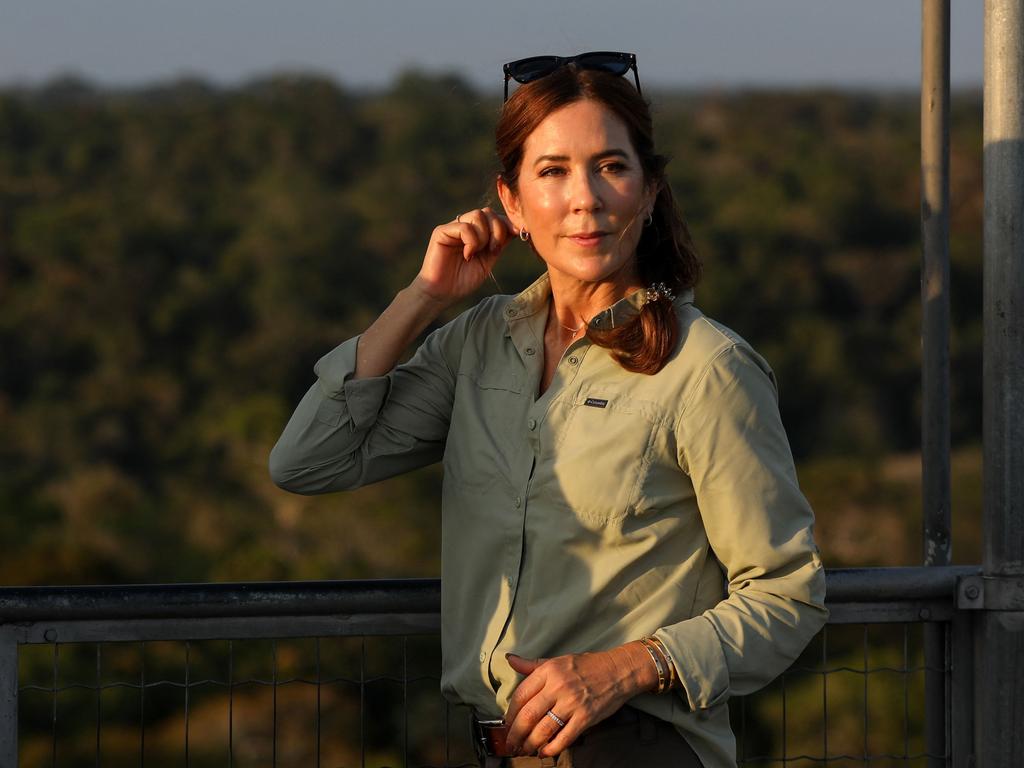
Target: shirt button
509, 580
483, 656
517, 501
531, 351
532, 424
573, 360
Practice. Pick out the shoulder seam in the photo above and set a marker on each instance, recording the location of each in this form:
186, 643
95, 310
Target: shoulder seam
726, 333
703, 374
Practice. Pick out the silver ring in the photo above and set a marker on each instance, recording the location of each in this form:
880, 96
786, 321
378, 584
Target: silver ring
458, 219
556, 718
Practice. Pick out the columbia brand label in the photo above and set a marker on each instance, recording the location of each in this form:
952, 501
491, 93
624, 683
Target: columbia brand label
595, 402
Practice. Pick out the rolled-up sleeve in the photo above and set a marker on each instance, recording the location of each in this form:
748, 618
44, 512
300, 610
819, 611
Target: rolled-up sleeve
759, 527
348, 432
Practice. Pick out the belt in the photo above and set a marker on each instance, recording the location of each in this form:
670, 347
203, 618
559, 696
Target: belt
489, 734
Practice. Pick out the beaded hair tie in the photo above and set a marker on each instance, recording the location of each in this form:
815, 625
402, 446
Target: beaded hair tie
657, 292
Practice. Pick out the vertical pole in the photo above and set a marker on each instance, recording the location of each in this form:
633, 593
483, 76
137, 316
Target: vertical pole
935, 279
935, 346
1000, 642
962, 690
8, 697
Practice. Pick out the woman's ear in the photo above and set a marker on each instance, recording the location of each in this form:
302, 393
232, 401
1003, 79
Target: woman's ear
651, 199
510, 202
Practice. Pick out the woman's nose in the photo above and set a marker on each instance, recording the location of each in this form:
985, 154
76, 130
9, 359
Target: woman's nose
585, 193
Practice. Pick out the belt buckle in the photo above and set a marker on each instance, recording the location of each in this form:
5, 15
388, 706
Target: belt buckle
489, 738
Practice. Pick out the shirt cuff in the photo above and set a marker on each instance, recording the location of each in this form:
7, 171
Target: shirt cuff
363, 397
700, 662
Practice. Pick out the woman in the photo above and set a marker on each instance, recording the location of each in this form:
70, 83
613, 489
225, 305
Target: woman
624, 541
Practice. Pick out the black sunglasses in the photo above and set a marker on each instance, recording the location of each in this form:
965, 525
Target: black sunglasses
536, 67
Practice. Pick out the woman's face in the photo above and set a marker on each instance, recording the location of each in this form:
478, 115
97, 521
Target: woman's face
581, 195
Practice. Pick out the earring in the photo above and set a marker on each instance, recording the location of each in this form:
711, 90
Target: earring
524, 235
650, 219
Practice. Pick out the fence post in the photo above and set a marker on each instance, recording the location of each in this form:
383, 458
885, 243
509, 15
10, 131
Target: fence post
935, 279
1000, 639
961, 690
8, 697
935, 349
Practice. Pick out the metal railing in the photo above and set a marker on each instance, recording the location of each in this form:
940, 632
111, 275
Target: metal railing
346, 673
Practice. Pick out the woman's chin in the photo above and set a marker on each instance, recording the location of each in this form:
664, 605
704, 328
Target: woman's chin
595, 268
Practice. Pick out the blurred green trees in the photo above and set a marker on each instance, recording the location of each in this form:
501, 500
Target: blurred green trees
173, 260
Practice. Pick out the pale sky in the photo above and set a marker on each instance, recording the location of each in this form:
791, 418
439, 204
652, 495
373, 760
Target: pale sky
694, 43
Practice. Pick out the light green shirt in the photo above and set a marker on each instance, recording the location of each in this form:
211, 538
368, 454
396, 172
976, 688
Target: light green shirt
613, 506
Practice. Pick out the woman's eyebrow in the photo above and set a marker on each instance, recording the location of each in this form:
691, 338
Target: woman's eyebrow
614, 152
550, 159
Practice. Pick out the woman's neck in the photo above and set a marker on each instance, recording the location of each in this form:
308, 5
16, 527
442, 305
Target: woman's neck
574, 302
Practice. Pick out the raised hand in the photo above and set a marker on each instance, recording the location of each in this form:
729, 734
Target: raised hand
461, 254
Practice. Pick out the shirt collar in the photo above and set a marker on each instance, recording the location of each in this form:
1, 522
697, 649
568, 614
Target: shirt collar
535, 298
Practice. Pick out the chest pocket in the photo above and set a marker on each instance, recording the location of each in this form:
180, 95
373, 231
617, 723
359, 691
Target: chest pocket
480, 435
599, 462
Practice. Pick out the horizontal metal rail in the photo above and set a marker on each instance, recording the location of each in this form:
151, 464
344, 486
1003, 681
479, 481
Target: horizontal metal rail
872, 585
227, 600
383, 596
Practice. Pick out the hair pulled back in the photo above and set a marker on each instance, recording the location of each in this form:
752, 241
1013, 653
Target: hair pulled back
665, 253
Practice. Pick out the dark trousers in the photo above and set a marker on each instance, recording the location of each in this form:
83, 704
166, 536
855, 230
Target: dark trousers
631, 739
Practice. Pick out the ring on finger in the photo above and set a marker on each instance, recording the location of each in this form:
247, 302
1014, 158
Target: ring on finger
556, 718
458, 218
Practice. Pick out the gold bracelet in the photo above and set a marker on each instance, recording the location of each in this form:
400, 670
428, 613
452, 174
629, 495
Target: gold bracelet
662, 677
673, 673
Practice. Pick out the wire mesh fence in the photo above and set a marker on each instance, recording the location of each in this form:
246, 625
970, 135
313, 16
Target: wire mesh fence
332, 674
323, 701
855, 697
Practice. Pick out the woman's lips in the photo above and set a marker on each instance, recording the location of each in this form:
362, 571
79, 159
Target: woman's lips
588, 239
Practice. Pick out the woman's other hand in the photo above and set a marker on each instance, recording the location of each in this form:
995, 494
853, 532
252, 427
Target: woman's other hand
461, 254
580, 689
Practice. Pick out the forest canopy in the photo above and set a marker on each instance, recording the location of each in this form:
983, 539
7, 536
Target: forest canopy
174, 259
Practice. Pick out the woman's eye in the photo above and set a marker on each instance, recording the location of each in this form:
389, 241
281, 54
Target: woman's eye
552, 171
613, 167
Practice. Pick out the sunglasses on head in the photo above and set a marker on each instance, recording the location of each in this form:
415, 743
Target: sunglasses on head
535, 67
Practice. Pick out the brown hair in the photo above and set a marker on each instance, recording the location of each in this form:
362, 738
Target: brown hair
665, 253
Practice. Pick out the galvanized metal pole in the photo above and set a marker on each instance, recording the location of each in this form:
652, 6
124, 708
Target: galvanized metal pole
1000, 640
8, 697
935, 346
935, 278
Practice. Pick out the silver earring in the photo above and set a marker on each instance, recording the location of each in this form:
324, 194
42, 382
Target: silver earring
650, 219
524, 235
